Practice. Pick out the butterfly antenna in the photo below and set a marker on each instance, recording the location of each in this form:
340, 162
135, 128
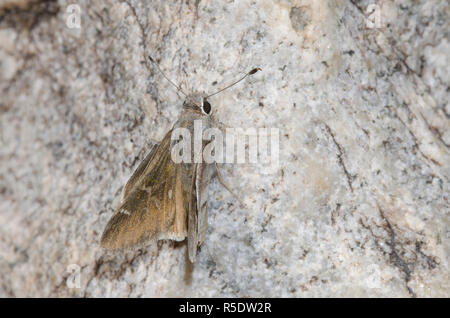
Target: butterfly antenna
253, 71
159, 69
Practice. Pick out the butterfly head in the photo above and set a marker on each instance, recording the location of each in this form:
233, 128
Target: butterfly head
199, 103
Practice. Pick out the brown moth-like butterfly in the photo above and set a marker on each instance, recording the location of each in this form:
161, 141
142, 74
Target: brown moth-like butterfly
164, 200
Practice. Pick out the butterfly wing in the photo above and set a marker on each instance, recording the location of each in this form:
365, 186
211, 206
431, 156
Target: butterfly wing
133, 181
155, 203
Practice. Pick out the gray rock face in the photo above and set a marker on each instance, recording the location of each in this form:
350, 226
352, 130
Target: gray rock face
358, 205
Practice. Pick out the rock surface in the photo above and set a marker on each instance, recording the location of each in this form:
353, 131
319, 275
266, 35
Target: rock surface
358, 206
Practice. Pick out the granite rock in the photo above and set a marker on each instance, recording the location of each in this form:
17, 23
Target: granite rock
358, 205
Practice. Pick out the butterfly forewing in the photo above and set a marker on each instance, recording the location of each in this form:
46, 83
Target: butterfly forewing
154, 204
138, 173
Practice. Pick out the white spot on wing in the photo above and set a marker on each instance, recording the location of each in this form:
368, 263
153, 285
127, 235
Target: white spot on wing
124, 211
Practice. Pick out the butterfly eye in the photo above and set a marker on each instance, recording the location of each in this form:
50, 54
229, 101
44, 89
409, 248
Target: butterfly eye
206, 106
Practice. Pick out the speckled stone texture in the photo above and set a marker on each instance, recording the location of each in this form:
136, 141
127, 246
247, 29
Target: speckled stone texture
358, 206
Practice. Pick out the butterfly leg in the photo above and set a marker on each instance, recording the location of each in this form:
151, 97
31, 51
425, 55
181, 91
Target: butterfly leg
222, 182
